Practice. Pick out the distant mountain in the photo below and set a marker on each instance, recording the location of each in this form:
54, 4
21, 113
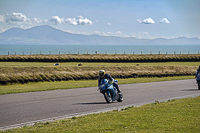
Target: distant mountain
49, 35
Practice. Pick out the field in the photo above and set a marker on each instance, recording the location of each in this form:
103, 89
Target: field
43, 71
40, 74
24, 72
172, 116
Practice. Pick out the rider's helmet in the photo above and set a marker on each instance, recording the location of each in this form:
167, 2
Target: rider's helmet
101, 73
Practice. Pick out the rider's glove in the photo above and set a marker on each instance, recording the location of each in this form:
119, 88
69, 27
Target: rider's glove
111, 81
101, 86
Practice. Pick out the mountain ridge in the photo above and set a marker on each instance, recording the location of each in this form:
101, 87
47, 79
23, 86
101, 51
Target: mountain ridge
48, 35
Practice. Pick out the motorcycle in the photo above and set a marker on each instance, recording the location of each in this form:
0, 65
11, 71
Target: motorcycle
198, 80
110, 92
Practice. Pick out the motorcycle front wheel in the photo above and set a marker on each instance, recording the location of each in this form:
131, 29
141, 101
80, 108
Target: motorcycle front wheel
120, 99
107, 97
198, 85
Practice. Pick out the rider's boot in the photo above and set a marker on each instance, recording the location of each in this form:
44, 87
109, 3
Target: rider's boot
118, 90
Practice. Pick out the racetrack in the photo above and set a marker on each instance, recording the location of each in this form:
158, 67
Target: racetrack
27, 108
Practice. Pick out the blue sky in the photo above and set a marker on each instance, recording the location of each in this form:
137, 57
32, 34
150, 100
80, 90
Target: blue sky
125, 18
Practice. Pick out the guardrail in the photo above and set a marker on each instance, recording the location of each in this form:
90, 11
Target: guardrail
96, 52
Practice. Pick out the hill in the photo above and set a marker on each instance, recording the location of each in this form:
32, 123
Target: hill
48, 35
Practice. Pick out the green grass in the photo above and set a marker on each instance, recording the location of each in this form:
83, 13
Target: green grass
179, 116
45, 86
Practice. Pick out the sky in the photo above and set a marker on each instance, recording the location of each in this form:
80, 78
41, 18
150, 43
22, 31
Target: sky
143, 19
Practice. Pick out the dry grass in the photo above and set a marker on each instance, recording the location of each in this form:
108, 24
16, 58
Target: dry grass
102, 58
17, 71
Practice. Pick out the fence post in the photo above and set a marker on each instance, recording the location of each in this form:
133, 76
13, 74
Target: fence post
174, 52
15, 52
30, 53
8, 53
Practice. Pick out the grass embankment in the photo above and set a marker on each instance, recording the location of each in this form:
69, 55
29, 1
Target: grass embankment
23, 72
102, 58
173, 116
45, 86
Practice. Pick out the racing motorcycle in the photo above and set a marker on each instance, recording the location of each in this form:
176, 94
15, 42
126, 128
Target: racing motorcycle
110, 92
198, 80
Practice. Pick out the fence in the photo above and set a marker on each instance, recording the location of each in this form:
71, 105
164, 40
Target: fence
96, 52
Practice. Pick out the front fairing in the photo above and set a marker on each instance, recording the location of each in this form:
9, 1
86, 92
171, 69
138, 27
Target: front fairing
198, 76
104, 86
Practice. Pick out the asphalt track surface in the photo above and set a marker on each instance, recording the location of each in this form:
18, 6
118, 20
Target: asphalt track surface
28, 108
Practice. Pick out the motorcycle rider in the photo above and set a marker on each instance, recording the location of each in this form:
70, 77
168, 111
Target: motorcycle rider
198, 71
103, 75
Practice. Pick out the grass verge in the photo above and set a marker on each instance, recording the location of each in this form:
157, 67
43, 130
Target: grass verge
23, 72
45, 86
173, 116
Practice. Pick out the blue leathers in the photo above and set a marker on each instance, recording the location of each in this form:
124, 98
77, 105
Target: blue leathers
197, 72
110, 81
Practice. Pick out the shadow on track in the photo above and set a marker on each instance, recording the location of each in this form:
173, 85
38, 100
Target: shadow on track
191, 90
90, 103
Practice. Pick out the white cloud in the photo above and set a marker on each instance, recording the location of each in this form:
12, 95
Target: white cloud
164, 20
139, 20
147, 35
108, 23
146, 21
15, 17
97, 32
2, 20
117, 33
141, 35
71, 21
188, 36
56, 20
32, 21
83, 21
2, 30
79, 20
36, 20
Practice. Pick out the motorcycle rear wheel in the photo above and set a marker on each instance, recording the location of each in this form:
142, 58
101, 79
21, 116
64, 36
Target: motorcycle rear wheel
107, 97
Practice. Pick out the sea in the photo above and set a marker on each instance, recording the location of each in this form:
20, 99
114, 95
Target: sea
10, 49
